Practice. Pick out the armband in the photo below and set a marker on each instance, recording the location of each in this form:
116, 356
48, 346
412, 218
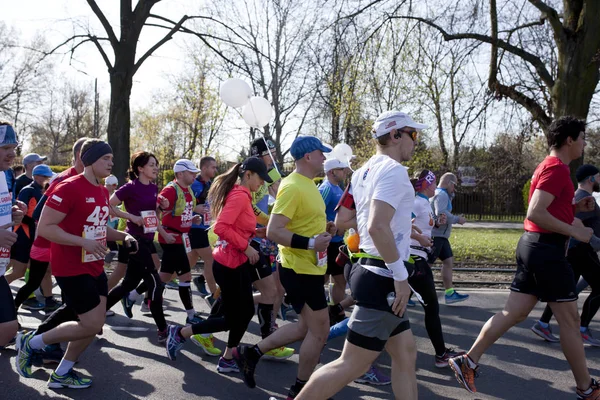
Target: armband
347, 200
299, 242
398, 269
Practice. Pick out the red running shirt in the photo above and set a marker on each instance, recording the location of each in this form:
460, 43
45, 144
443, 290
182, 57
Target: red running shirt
86, 208
176, 224
553, 176
69, 173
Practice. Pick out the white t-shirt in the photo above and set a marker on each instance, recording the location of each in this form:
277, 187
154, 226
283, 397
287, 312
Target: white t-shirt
5, 218
423, 220
384, 179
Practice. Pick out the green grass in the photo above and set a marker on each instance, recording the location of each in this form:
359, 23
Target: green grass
485, 245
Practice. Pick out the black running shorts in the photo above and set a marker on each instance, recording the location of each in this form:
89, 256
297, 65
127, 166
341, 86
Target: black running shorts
174, 259
199, 238
332, 252
8, 312
303, 289
441, 249
82, 292
542, 268
21, 249
262, 268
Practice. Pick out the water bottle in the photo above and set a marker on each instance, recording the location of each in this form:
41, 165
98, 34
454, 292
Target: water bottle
353, 241
330, 292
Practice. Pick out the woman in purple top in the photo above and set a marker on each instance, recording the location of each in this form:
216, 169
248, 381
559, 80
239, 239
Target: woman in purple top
139, 196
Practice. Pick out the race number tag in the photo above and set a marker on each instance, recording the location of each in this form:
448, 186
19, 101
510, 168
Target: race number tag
185, 238
4, 260
322, 258
97, 233
206, 216
150, 221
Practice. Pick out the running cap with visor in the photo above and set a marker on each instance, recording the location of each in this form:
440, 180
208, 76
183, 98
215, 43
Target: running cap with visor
7, 135
255, 164
390, 120
259, 148
185, 165
303, 145
332, 163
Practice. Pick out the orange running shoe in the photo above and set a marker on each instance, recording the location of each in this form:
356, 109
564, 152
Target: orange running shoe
465, 375
593, 395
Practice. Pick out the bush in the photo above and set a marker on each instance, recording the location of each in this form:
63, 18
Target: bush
168, 176
526, 188
318, 180
59, 168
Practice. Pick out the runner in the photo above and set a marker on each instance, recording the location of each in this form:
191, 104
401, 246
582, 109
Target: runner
422, 279
139, 196
441, 203
177, 215
299, 224
199, 232
231, 205
31, 195
384, 198
30, 161
583, 259
75, 222
335, 175
543, 272
8, 216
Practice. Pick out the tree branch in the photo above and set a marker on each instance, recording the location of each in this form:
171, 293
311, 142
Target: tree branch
552, 15
109, 30
534, 60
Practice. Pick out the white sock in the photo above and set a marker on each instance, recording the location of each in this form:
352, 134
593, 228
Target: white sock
190, 313
64, 367
37, 343
133, 295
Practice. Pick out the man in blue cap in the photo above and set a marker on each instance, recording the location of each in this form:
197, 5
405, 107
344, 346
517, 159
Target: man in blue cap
298, 223
30, 161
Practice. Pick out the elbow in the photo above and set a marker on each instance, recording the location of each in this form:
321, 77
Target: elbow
271, 233
375, 229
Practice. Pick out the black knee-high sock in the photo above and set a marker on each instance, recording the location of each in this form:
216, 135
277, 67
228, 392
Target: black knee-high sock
185, 293
265, 318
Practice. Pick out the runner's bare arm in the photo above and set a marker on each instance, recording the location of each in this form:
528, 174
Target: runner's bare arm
49, 229
277, 231
345, 219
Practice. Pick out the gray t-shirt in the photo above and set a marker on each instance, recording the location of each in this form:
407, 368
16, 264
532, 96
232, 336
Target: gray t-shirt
590, 219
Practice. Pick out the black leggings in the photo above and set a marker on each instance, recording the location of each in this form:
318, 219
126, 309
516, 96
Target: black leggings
37, 271
422, 282
141, 267
585, 262
236, 301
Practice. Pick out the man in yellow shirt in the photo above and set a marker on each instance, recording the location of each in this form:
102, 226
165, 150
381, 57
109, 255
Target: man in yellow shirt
299, 225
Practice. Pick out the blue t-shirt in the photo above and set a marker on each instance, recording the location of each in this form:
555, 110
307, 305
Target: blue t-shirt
197, 188
331, 196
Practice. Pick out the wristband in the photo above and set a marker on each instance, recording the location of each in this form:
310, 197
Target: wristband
299, 242
311, 243
398, 269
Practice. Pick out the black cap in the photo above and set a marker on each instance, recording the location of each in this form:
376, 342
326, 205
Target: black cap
258, 147
585, 171
257, 165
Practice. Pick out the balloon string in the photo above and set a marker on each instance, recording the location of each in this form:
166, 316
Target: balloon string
270, 155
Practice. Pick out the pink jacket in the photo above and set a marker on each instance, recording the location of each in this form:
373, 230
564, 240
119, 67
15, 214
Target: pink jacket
235, 226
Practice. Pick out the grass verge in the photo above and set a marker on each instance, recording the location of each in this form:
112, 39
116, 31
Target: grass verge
485, 245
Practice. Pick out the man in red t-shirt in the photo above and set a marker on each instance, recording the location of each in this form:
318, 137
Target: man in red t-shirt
178, 205
543, 272
74, 221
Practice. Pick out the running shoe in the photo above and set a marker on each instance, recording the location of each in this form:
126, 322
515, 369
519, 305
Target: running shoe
285, 308
24, 358
162, 336
245, 364
442, 361
209, 300
70, 380
174, 284
339, 329
374, 377
465, 375
227, 366
110, 313
32, 304
127, 304
279, 354
51, 305
544, 333
200, 282
588, 339
52, 354
174, 341
145, 307
196, 319
455, 297
412, 303
595, 393
207, 344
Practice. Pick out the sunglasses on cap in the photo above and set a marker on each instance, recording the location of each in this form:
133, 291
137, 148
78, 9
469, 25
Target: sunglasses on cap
413, 134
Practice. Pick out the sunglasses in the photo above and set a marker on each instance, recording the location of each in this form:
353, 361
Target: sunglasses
413, 134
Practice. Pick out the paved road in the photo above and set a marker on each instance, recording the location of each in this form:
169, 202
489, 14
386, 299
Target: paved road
126, 364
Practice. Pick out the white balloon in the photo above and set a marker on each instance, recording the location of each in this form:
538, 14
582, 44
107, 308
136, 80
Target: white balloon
235, 92
258, 112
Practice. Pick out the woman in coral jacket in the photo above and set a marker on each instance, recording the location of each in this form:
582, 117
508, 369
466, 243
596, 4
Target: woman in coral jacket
231, 207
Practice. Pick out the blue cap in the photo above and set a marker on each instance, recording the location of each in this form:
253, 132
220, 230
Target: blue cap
42, 170
7, 135
306, 144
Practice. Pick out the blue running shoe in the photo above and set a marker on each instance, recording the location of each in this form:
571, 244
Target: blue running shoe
374, 377
25, 353
411, 303
197, 318
199, 282
70, 380
174, 341
52, 354
456, 297
227, 366
127, 304
32, 305
339, 329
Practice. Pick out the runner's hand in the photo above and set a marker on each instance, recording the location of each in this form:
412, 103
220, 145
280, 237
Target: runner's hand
169, 238
252, 254
586, 204
322, 241
442, 219
130, 241
582, 234
196, 219
136, 219
425, 241
7, 238
331, 228
402, 295
163, 202
462, 220
261, 233
18, 213
201, 209
94, 247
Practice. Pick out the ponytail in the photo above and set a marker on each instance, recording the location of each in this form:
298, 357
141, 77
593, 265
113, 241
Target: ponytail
220, 188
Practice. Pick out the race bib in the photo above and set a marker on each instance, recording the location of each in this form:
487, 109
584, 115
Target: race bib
97, 233
206, 216
150, 221
185, 238
322, 258
4, 260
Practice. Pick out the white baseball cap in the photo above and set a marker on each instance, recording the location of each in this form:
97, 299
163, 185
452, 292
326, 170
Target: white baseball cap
332, 163
184, 165
111, 180
390, 120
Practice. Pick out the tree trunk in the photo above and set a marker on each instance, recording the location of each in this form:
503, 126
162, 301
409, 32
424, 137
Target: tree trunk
119, 119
